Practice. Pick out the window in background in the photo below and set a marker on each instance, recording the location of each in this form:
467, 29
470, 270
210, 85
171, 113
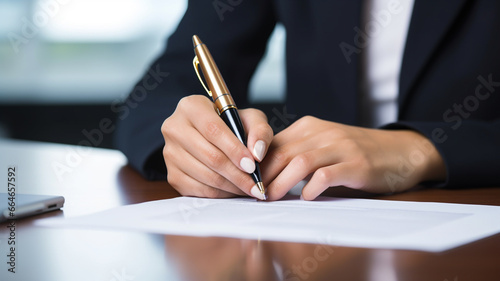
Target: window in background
63, 62
93, 51
55, 51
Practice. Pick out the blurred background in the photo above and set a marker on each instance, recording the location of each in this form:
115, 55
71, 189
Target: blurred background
64, 62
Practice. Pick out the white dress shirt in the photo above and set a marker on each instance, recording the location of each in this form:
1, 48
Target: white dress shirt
385, 25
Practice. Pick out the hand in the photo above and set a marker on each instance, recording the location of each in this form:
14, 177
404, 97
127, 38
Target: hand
333, 154
203, 156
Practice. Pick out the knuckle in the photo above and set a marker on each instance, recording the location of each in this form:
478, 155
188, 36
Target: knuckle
350, 145
333, 134
323, 176
169, 155
188, 99
166, 152
302, 161
212, 130
215, 159
258, 113
184, 102
342, 133
165, 126
304, 124
306, 120
171, 179
171, 130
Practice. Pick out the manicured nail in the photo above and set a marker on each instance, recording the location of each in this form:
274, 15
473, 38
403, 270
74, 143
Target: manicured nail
258, 150
256, 193
247, 164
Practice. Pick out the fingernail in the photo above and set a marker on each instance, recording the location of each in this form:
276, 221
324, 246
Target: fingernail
256, 193
302, 198
247, 164
258, 149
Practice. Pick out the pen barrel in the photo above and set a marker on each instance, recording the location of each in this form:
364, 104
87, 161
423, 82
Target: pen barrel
224, 102
233, 121
213, 77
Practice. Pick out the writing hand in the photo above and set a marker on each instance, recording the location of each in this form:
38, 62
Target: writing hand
204, 158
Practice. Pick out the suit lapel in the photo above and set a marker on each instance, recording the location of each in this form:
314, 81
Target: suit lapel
342, 17
430, 22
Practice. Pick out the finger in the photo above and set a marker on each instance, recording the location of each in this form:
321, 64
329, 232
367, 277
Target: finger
282, 151
213, 129
211, 163
188, 186
299, 168
193, 168
342, 174
258, 130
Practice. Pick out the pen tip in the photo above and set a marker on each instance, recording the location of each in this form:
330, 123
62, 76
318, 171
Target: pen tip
196, 40
262, 190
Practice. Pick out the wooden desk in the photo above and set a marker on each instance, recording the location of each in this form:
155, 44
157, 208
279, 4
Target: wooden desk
96, 179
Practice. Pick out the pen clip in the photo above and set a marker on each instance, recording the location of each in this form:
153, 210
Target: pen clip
196, 63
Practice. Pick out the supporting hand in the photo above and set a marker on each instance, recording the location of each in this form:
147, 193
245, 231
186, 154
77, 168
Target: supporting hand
332, 154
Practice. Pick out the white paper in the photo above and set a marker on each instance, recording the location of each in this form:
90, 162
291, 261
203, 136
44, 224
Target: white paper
334, 221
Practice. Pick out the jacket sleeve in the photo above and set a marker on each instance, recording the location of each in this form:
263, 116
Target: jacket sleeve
236, 33
470, 150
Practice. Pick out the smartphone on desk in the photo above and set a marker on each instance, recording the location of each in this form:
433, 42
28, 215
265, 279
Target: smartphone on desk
24, 205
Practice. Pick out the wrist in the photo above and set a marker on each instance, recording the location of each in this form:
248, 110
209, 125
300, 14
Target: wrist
432, 167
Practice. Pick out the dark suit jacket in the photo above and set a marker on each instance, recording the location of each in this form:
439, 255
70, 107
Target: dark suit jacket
449, 83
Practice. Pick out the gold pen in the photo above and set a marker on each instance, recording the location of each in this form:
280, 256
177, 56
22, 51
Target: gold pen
224, 103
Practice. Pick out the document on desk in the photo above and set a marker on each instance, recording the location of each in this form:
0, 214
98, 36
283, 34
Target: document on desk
335, 221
